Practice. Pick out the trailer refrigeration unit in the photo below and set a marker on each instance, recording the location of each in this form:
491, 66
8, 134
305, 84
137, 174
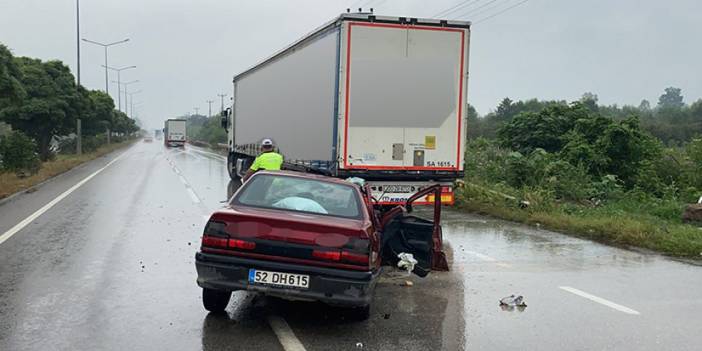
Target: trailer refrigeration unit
375, 97
174, 133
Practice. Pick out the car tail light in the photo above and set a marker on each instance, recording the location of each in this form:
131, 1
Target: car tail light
330, 255
343, 256
214, 241
241, 244
355, 258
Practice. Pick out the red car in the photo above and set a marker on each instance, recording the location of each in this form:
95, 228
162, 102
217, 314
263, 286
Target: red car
307, 237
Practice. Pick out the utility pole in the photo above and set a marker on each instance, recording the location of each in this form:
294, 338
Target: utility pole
79, 148
196, 110
119, 80
107, 88
221, 96
78, 40
209, 103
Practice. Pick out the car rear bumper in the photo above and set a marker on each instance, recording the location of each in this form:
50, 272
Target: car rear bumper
328, 285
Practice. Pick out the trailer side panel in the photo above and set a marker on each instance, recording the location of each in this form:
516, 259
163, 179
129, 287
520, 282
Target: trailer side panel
291, 100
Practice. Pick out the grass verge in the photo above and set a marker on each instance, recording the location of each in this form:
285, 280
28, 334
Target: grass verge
611, 223
11, 183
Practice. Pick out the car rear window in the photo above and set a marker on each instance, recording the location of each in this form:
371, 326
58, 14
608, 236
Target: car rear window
300, 195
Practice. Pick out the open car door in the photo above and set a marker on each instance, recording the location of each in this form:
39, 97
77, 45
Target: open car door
403, 232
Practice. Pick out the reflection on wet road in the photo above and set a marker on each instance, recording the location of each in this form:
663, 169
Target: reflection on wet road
110, 266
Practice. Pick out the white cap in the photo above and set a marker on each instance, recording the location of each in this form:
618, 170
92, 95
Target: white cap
266, 142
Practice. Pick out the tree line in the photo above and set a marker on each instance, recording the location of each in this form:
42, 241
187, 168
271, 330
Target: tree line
671, 120
41, 101
583, 151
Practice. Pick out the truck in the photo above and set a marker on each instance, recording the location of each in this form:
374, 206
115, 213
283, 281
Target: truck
376, 97
174, 133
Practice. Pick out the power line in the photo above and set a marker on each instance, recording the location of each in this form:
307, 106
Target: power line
476, 8
489, 9
455, 8
500, 12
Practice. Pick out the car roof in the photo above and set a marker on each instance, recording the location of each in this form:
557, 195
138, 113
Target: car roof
307, 176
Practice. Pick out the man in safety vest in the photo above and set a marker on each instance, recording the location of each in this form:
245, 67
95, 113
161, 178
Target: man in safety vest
268, 159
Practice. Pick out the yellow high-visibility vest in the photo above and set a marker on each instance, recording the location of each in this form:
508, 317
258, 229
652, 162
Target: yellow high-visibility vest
270, 161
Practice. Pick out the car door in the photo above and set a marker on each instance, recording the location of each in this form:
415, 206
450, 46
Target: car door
403, 232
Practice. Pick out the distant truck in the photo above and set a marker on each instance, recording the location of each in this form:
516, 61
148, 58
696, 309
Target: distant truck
174, 133
158, 134
376, 97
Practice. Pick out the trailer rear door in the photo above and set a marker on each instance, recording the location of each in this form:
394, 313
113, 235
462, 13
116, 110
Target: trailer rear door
402, 91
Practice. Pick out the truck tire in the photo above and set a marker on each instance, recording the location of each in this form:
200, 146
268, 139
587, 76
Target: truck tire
231, 168
215, 300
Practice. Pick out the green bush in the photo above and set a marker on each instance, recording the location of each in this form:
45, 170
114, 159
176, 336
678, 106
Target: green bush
18, 153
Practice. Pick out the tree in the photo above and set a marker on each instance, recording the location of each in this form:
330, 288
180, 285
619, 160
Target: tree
51, 104
99, 120
473, 121
645, 105
11, 90
590, 101
671, 98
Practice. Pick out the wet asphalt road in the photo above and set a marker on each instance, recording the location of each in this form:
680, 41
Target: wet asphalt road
111, 267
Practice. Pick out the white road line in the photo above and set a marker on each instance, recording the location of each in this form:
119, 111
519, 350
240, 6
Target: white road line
189, 152
210, 153
285, 335
192, 195
489, 259
8, 234
599, 300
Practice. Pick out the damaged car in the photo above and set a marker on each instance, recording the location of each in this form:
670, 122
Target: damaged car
306, 237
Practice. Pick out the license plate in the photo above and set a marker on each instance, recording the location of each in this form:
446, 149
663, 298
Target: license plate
400, 189
278, 278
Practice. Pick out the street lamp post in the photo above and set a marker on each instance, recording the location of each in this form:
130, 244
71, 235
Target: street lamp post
131, 102
107, 89
119, 91
125, 90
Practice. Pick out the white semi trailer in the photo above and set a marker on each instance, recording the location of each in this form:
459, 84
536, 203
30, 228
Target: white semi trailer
376, 97
174, 132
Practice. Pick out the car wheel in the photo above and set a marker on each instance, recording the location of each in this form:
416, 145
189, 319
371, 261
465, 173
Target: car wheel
215, 300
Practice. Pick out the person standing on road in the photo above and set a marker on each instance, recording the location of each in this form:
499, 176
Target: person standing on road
268, 160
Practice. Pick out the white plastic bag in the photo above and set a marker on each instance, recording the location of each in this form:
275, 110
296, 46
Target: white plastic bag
407, 262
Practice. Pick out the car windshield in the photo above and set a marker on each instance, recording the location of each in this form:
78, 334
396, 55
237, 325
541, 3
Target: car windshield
301, 195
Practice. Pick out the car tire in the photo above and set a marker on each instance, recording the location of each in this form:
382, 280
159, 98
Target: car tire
215, 300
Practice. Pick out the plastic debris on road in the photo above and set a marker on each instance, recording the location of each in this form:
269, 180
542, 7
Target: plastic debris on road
511, 302
407, 262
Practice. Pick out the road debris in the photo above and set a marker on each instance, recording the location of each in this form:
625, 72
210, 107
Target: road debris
511, 302
407, 262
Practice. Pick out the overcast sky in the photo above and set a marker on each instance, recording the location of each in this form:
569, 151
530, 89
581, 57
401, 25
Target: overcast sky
188, 51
